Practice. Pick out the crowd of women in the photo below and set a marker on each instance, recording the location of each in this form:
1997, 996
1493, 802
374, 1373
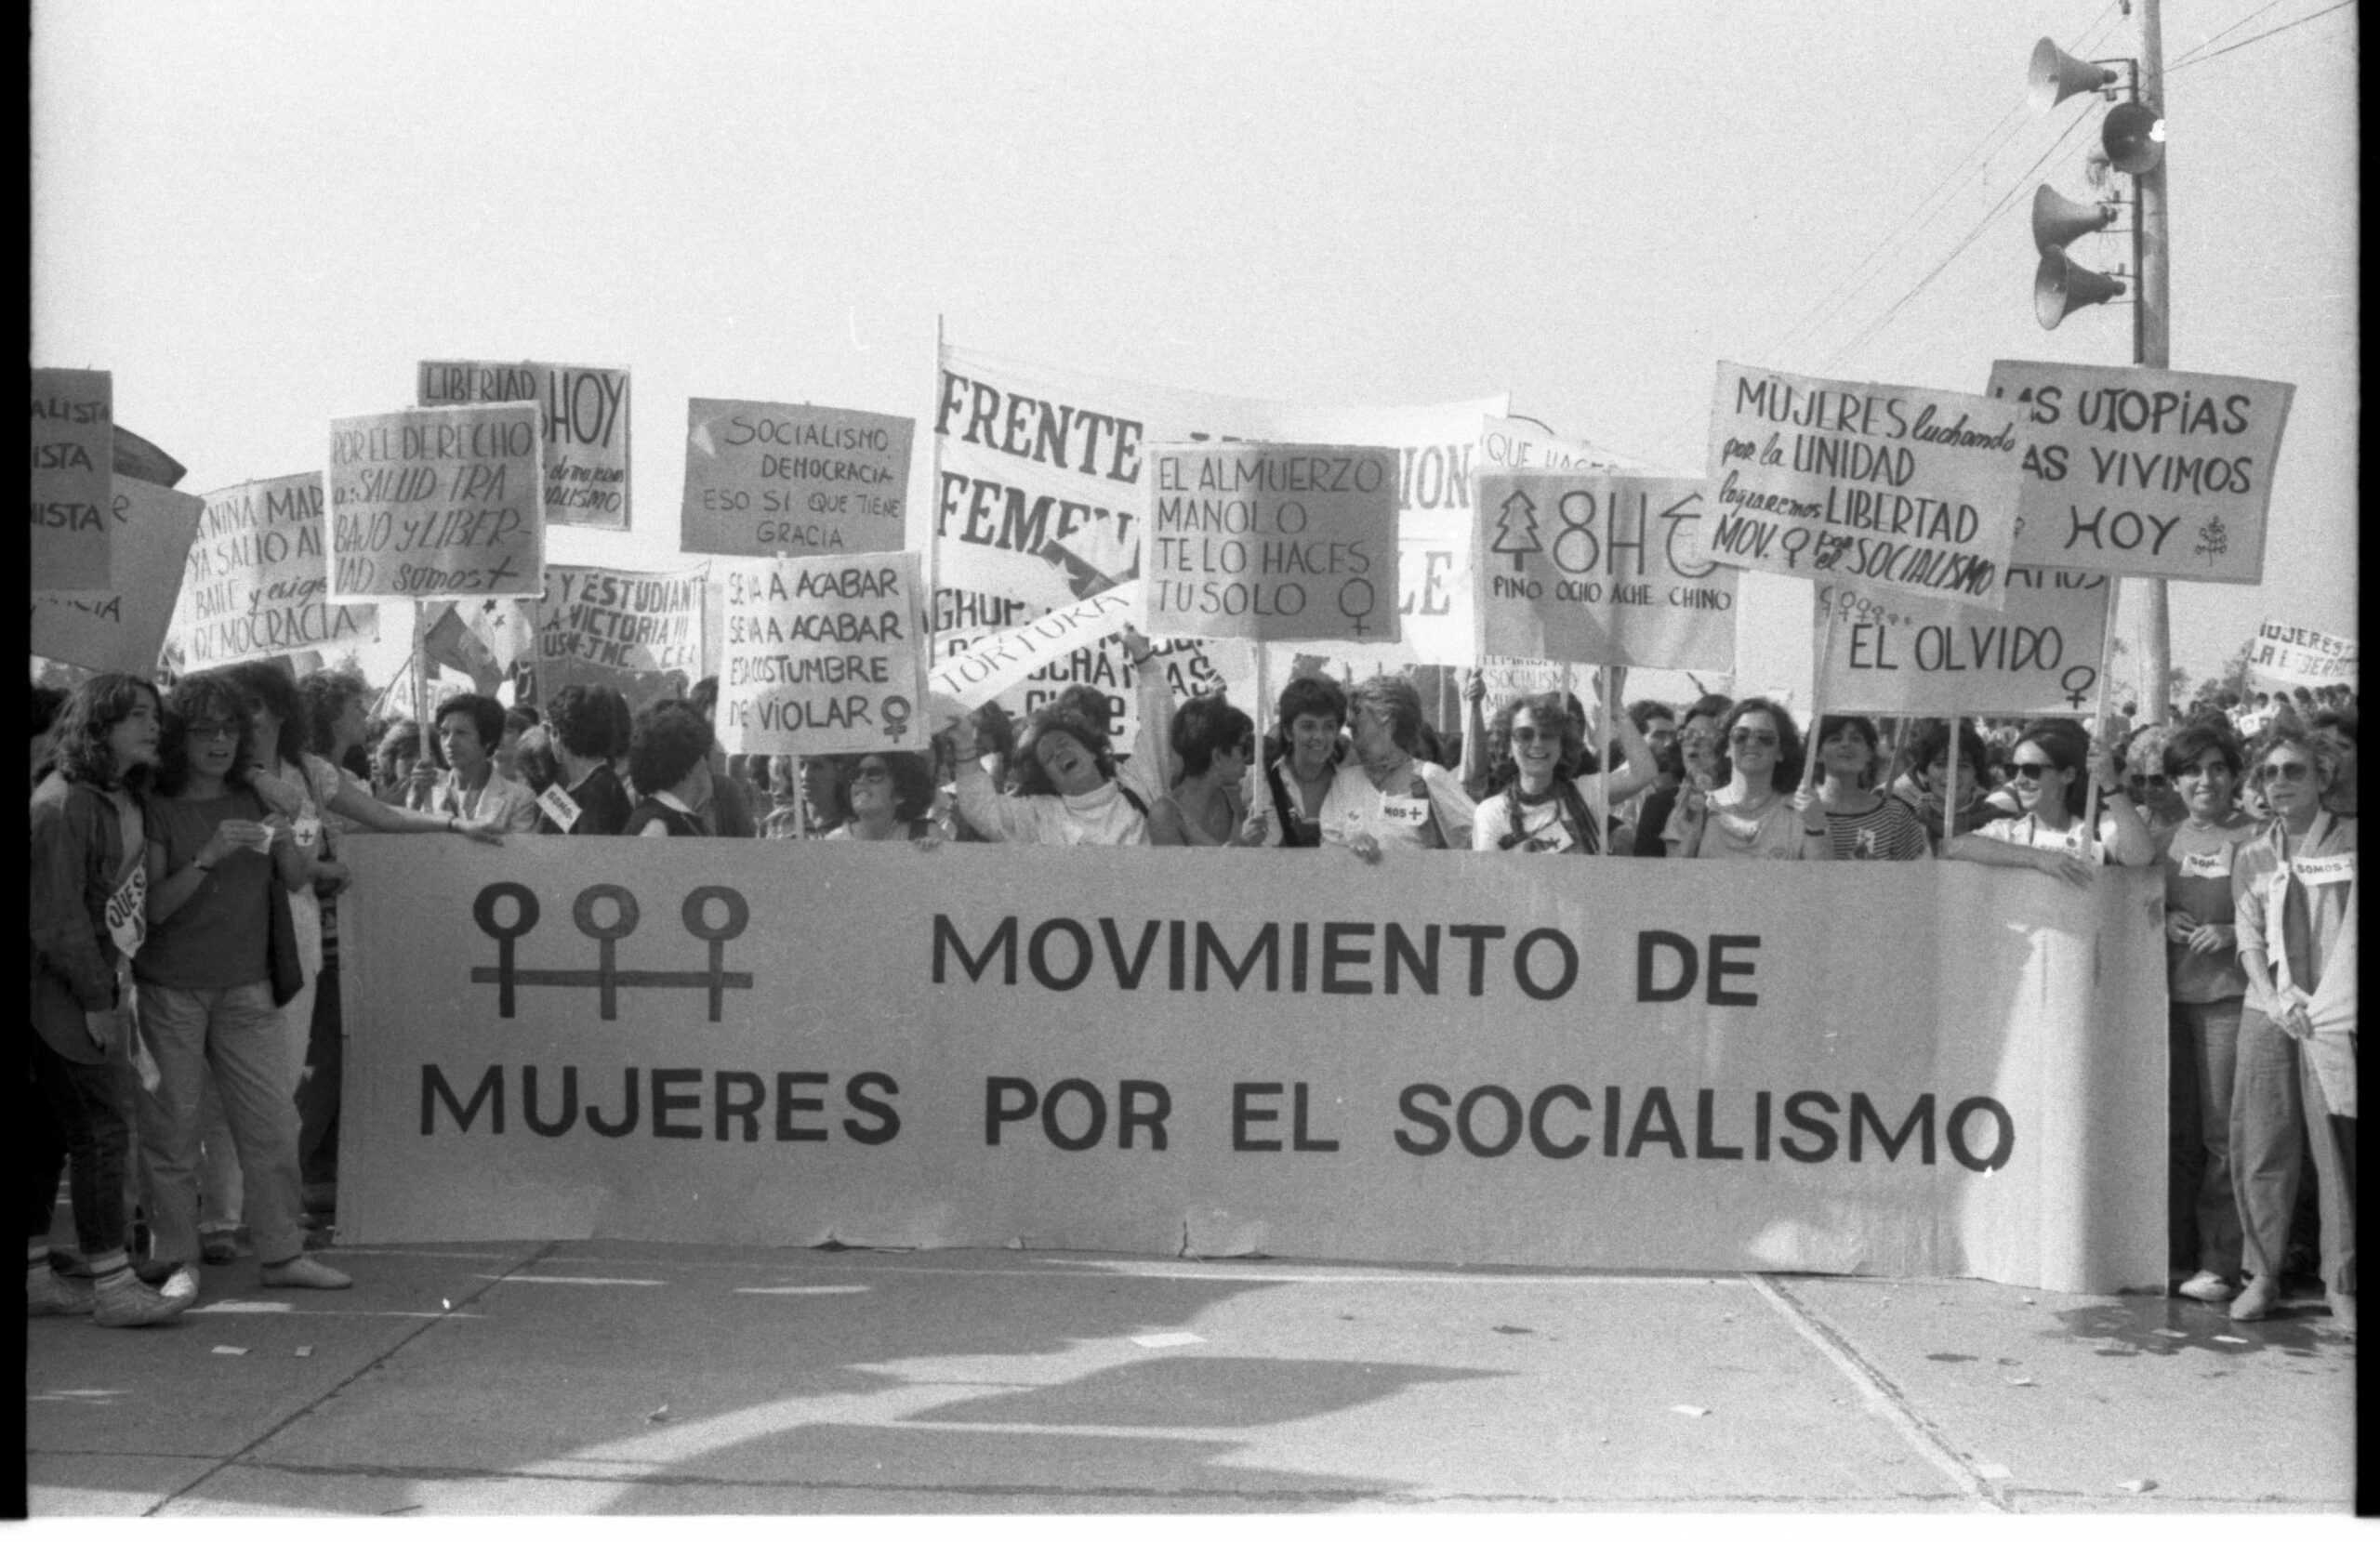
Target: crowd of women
185, 1062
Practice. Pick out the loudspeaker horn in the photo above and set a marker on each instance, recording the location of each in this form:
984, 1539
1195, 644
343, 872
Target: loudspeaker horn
2060, 287
2055, 74
2133, 135
2058, 220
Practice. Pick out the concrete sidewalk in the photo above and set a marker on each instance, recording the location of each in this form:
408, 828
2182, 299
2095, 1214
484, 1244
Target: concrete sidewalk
634, 1379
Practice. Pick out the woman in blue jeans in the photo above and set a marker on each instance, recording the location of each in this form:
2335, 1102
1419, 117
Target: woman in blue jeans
207, 999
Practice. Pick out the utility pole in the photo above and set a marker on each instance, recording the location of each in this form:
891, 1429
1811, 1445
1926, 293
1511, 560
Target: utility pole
2151, 345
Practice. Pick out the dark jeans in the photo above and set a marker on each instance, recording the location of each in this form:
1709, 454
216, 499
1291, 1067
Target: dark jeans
2201, 1212
317, 1088
79, 1119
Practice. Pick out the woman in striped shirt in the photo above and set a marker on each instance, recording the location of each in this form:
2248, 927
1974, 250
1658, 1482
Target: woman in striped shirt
1862, 824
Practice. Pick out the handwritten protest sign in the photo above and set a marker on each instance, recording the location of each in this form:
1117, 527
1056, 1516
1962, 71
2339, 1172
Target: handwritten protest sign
2146, 472
2037, 656
964, 621
1518, 444
73, 453
766, 478
124, 628
1002, 659
640, 633
1871, 485
1273, 541
2290, 655
1593, 566
441, 502
256, 576
822, 656
585, 413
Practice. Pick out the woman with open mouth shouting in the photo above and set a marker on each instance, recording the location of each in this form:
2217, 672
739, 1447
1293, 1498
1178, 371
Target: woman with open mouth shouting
1070, 790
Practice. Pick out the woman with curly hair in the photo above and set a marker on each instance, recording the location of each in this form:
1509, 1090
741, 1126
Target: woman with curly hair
1212, 744
1762, 811
220, 861
670, 764
581, 733
88, 914
1309, 720
885, 796
1550, 797
1070, 790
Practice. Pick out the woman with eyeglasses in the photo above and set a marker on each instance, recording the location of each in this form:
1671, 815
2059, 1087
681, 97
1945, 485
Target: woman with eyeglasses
2050, 771
1699, 761
2205, 987
1550, 797
1388, 795
886, 796
1070, 789
1213, 743
2152, 790
211, 987
1862, 824
2293, 885
1762, 811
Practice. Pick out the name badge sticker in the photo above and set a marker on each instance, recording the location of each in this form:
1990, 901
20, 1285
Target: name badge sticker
2208, 865
2315, 871
1409, 812
559, 805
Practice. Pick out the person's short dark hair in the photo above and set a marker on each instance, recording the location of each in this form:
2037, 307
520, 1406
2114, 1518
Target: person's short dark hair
669, 739
1932, 741
704, 697
1831, 723
2186, 748
1206, 725
2335, 719
623, 720
1311, 696
520, 720
213, 697
1552, 709
1032, 781
1090, 702
913, 788
270, 686
580, 721
400, 740
325, 695
485, 712
1643, 713
1787, 772
533, 757
86, 716
1392, 697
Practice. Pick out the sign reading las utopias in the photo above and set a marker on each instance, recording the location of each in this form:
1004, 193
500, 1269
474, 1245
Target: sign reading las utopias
1445, 1058
437, 503
258, 572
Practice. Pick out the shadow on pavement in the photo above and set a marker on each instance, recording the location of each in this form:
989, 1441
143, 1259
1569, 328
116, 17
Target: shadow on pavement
2164, 1326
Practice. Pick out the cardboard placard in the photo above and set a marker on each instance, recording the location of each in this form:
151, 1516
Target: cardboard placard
438, 503
124, 629
1518, 444
2036, 656
258, 570
1272, 542
73, 461
1878, 486
640, 633
822, 656
997, 661
586, 420
768, 478
2153, 473
1594, 567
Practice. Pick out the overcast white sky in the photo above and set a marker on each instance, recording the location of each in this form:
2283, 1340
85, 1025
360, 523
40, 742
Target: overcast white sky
259, 217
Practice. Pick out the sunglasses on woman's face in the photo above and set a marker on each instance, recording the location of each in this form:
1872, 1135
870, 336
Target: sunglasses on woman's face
1753, 736
871, 773
215, 730
2285, 771
2031, 770
1527, 736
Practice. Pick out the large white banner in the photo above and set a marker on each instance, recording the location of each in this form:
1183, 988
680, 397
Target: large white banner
2291, 655
1445, 1057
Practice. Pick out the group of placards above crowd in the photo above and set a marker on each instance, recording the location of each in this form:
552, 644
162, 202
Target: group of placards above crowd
1961, 549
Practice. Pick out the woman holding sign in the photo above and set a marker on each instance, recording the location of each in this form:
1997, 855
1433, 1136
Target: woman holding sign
1762, 810
1070, 790
1546, 801
2293, 886
2050, 771
1388, 795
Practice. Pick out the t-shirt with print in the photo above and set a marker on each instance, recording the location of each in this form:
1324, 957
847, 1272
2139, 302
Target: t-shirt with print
2197, 863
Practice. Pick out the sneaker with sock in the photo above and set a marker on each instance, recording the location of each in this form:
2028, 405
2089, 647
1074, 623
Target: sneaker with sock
122, 1302
2255, 1303
302, 1273
51, 1294
2208, 1286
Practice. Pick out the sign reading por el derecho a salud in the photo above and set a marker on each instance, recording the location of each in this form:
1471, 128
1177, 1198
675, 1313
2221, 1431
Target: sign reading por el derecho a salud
1272, 542
1874, 485
587, 428
821, 656
439, 503
1450, 1057
73, 467
2146, 472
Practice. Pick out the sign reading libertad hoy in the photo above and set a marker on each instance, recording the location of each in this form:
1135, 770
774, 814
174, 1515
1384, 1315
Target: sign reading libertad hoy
2144, 471
587, 428
439, 503
1872, 485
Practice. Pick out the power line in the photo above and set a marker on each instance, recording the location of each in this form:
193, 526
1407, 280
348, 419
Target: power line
2205, 43
2273, 32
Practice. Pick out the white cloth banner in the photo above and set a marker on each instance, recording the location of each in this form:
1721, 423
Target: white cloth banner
2283, 654
997, 661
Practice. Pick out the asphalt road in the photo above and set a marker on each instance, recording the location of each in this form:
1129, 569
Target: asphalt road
617, 1378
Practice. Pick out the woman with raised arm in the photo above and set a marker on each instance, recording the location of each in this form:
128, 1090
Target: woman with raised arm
2050, 773
1762, 811
1070, 790
1702, 764
1213, 743
1543, 801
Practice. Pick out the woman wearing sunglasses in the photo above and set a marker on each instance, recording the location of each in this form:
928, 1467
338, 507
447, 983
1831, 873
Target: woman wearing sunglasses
1550, 798
2050, 771
886, 796
2293, 885
1761, 811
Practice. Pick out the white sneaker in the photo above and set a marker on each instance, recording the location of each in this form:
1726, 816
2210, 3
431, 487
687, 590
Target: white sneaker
51, 1294
2208, 1286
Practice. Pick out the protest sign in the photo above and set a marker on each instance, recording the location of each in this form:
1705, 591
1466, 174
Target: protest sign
1592, 566
585, 415
2283, 654
640, 633
1507, 679
1518, 445
1039, 487
822, 656
437, 503
73, 454
2037, 656
1193, 666
256, 576
1872, 485
765, 479
122, 630
2146, 472
1000, 660
1271, 541
1442, 1058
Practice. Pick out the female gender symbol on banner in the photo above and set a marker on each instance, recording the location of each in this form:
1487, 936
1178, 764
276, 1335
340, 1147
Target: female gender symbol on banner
607, 977
1355, 613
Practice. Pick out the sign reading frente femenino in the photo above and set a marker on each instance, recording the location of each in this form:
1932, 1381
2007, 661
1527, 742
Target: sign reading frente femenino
640, 633
587, 428
768, 478
1596, 567
2147, 472
2295, 656
258, 571
1272, 542
821, 655
2036, 656
73, 459
124, 628
437, 503
1881, 486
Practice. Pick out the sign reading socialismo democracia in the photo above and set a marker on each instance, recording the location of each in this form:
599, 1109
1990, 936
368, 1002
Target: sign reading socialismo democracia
768, 479
1874, 485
